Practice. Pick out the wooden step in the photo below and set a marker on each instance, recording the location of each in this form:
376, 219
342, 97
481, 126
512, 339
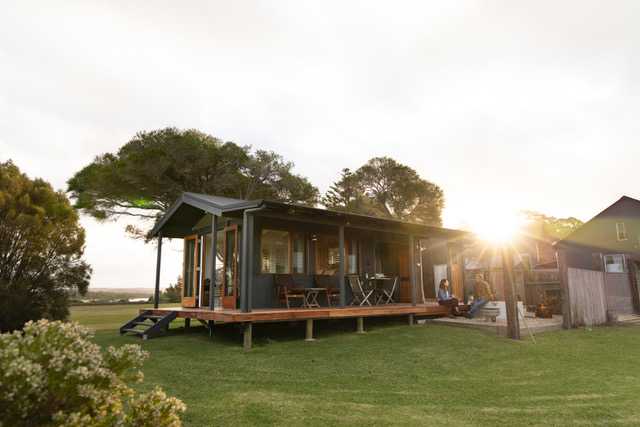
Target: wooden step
150, 316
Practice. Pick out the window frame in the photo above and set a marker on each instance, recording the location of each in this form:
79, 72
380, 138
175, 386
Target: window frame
290, 250
621, 232
613, 257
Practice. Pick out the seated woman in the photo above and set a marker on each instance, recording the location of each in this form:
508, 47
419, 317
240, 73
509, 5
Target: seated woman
446, 298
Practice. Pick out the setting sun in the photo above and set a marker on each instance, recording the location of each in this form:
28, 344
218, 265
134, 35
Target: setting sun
495, 226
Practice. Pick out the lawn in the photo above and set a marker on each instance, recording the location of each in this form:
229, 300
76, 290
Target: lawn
394, 374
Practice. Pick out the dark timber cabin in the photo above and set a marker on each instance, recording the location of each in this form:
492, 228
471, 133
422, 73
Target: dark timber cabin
256, 239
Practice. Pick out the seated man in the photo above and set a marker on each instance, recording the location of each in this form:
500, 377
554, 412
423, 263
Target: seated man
481, 294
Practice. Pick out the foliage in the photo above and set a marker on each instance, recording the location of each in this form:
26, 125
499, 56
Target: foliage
41, 248
148, 174
174, 292
52, 375
161, 298
386, 189
547, 227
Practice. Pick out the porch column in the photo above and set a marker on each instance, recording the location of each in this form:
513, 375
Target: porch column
246, 267
244, 291
567, 321
341, 266
412, 270
156, 295
214, 246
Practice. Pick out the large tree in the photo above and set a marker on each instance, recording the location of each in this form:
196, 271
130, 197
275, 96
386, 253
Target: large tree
387, 189
150, 172
41, 248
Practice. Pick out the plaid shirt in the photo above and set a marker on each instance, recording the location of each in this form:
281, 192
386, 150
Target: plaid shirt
482, 290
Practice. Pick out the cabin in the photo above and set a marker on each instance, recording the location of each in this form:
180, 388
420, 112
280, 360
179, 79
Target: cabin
235, 249
600, 264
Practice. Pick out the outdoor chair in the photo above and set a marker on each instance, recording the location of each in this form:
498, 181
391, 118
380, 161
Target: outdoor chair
287, 289
360, 296
324, 281
385, 293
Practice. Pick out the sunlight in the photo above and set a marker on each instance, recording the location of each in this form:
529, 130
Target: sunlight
495, 226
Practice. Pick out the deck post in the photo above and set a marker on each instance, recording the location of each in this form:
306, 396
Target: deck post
187, 322
309, 333
247, 335
214, 246
412, 270
567, 321
411, 320
511, 304
360, 329
341, 267
156, 294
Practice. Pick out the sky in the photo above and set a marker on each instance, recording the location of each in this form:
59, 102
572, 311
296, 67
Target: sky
506, 105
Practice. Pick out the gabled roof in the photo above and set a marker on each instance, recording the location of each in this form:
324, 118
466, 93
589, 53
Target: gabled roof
625, 207
191, 207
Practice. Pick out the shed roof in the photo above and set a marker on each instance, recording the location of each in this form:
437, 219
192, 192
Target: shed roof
190, 207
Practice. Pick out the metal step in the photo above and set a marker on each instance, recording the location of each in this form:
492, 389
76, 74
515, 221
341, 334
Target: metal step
160, 323
147, 324
135, 331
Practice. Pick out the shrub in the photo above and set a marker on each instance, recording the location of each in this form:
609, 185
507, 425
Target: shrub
50, 374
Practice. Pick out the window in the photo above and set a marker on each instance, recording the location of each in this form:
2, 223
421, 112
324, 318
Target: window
615, 264
620, 231
353, 257
328, 254
299, 253
283, 252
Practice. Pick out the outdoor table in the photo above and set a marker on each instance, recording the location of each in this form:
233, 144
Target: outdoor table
312, 296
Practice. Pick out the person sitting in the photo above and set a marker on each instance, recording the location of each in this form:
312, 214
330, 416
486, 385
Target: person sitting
481, 295
447, 298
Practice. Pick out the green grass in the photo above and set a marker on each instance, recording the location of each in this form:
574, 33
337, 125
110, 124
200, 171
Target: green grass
393, 375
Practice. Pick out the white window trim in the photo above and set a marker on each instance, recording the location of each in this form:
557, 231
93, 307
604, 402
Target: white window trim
620, 230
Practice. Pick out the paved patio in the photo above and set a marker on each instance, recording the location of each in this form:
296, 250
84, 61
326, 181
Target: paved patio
531, 324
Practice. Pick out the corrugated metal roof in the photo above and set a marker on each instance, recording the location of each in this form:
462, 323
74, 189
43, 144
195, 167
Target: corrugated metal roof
190, 207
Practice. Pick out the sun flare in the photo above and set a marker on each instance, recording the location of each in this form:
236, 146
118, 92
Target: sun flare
495, 226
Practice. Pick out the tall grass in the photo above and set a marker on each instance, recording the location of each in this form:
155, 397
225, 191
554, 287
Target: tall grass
395, 374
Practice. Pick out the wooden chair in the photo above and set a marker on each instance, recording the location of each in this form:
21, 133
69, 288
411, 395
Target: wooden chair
360, 296
385, 293
324, 281
287, 289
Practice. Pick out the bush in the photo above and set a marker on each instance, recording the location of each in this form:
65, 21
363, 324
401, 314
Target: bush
52, 375
161, 298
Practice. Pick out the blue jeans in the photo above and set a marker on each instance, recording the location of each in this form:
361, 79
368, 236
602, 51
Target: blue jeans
476, 305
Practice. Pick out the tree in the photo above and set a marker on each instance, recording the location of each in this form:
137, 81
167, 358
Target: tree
387, 189
146, 176
41, 248
547, 227
174, 292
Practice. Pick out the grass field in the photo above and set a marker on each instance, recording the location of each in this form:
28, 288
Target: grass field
393, 375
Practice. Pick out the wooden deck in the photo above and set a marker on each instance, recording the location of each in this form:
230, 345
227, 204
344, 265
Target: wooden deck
284, 314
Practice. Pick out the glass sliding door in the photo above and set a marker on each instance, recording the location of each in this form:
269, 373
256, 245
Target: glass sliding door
230, 278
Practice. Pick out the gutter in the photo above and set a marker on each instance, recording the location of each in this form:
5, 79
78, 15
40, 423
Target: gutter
246, 283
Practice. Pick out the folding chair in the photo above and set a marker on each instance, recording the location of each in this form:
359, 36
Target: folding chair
360, 296
385, 293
